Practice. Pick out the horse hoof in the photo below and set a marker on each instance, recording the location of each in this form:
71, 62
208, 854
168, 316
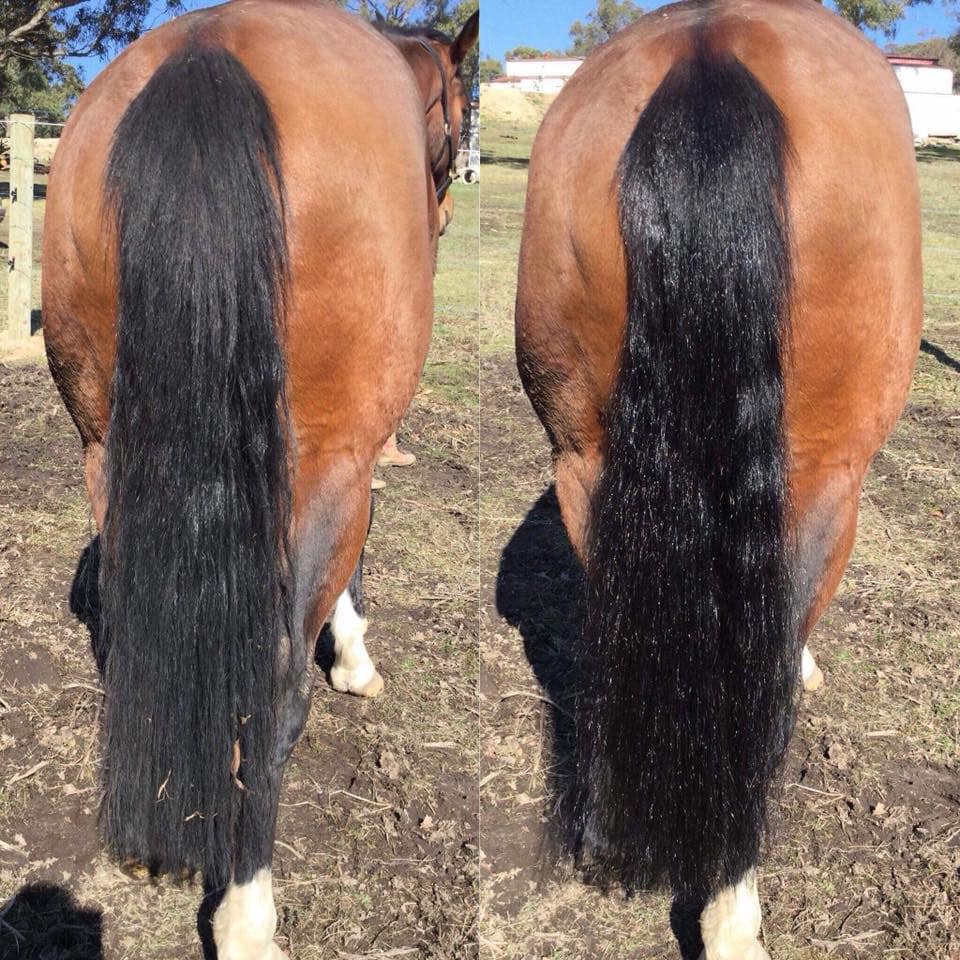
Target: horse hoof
372, 688
814, 681
742, 950
340, 681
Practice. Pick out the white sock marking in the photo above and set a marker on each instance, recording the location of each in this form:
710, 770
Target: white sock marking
246, 919
352, 668
730, 923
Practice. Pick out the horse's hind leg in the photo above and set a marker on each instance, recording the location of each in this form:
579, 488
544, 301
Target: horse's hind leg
246, 919
331, 535
826, 502
353, 670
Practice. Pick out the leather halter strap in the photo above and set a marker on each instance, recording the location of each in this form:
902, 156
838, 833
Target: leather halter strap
451, 168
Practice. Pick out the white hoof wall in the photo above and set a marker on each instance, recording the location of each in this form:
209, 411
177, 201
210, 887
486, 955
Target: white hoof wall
812, 675
359, 684
745, 950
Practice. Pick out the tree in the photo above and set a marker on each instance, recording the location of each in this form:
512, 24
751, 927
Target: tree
523, 53
397, 13
49, 93
883, 15
490, 69
43, 32
606, 19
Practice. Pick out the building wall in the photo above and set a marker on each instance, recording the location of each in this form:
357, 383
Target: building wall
542, 84
924, 79
934, 115
551, 68
934, 108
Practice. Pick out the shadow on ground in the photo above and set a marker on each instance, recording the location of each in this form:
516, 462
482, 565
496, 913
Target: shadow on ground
44, 922
940, 355
519, 163
937, 151
539, 591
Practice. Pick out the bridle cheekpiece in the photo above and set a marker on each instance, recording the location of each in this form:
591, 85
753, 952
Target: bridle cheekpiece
451, 169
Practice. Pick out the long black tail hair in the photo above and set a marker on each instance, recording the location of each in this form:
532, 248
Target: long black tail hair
193, 548
691, 644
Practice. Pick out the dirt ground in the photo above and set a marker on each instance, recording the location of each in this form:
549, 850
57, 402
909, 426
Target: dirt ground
866, 853
376, 851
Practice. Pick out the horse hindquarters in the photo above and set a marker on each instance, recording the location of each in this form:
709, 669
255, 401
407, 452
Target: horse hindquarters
691, 643
196, 466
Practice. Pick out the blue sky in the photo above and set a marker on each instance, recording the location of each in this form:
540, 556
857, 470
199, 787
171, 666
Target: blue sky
505, 24
545, 24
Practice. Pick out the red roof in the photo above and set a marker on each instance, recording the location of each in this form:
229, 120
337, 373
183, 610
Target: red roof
912, 61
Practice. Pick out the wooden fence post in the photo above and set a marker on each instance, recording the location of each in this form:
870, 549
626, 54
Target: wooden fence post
20, 253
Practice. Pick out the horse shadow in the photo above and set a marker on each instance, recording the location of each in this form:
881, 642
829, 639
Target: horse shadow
496, 159
43, 922
930, 152
85, 599
539, 590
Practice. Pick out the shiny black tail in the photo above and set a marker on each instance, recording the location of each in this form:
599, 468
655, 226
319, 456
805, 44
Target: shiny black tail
192, 572
691, 643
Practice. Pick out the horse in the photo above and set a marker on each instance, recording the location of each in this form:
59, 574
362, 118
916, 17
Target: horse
718, 313
240, 239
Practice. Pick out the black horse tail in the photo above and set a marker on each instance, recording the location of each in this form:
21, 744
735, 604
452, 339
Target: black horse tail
691, 641
194, 565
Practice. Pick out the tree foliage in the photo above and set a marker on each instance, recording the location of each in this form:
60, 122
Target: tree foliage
939, 47
397, 13
607, 18
883, 15
523, 53
31, 88
490, 69
36, 36
47, 30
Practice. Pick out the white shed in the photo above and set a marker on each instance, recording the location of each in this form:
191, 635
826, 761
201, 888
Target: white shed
542, 75
928, 89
